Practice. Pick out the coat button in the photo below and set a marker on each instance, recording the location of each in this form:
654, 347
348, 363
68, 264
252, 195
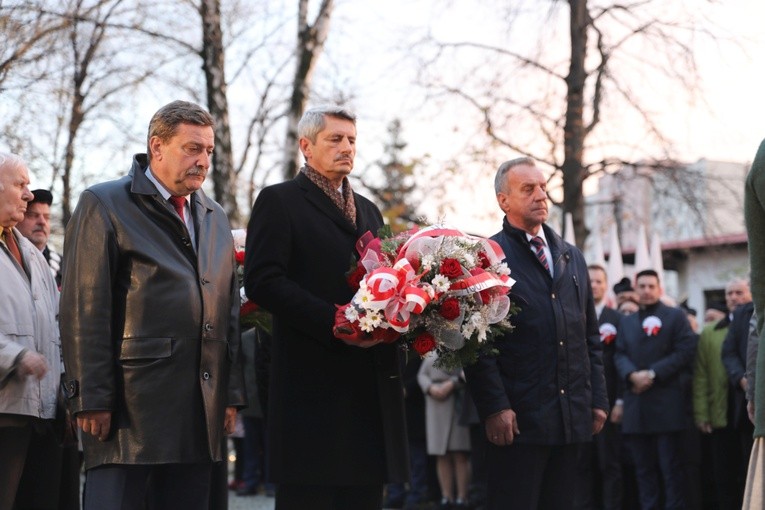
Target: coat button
206, 375
208, 326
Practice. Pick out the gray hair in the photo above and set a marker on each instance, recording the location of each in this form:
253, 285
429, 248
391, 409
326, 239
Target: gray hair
313, 120
164, 124
499, 179
10, 161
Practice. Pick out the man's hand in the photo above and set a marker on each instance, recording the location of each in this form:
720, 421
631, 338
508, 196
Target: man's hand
32, 363
641, 381
617, 412
750, 411
501, 428
598, 420
229, 421
744, 384
95, 423
704, 427
351, 333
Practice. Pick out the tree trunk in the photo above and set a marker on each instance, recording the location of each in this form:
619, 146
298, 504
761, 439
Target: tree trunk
310, 44
213, 56
574, 129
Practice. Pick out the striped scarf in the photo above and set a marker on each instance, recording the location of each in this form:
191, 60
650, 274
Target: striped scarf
344, 201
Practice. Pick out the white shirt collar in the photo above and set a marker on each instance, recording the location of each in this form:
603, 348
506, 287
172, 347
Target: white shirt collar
161, 188
540, 234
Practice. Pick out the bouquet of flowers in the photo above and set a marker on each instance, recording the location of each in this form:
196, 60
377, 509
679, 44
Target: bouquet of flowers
435, 289
250, 314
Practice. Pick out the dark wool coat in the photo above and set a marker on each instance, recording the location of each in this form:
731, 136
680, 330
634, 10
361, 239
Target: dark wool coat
149, 326
613, 384
734, 351
665, 407
549, 368
335, 412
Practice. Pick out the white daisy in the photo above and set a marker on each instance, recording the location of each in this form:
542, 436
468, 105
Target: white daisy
366, 324
441, 283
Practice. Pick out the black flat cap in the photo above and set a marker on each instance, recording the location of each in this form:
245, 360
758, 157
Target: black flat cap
623, 285
42, 196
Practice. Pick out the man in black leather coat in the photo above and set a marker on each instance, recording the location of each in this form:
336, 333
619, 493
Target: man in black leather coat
149, 323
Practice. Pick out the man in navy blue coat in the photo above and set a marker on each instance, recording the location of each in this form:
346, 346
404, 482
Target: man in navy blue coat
543, 396
655, 349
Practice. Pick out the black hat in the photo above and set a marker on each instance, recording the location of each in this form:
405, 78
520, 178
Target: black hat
623, 285
42, 196
719, 306
688, 309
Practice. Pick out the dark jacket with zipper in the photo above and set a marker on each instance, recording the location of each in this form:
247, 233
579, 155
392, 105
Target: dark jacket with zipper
149, 324
549, 368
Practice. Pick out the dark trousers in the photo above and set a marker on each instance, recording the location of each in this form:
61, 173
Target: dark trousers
726, 464
30, 466
152, 487
608, 474
664, 451
253, 452
14, 442
531, 477
321, 497
418, 483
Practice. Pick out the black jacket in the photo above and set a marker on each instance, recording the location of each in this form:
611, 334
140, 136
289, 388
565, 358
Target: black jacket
549, 368
149, 325
670, 352
335, 412
615, 388
734, 357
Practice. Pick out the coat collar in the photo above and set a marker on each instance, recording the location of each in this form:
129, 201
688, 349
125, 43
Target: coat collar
319, 199
559, 248
141, 185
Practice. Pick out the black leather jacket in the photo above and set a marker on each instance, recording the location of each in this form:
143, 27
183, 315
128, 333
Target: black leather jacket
149, 325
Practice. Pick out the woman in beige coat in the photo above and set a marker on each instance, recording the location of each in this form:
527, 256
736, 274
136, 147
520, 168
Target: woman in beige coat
446, 438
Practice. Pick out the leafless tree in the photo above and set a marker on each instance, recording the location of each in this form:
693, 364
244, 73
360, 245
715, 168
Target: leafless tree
570, 118
310, 44
213, 58
28, 35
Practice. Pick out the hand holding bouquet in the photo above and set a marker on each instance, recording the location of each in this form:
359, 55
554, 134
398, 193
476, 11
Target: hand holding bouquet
436, 288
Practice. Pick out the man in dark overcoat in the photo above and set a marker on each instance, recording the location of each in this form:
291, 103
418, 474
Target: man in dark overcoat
149, 323
655, 349
603, 488
544, 395
336, 427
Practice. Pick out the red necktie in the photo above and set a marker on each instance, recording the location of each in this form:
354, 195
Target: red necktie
178, 204
539, 248
10, 241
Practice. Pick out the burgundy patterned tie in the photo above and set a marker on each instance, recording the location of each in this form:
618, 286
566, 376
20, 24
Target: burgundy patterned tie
178, 204
539, 248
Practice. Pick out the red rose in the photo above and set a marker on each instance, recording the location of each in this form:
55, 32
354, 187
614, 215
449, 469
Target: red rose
247, 308
451, 268
424, 343
354, 279
239, 255
387, 335
486, 295
450, 309
483, 259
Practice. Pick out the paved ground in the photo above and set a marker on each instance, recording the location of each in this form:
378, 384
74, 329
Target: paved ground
249, 502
